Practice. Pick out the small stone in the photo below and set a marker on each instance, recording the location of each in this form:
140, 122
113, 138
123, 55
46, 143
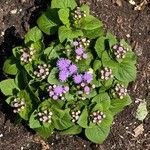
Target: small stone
14, 11
1, 135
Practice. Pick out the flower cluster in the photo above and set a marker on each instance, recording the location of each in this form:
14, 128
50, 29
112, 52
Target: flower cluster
18, 104
56, 92
80, 45
42, 71
106, 73
97, 117
45, 116
120, 91
75, 115
78, 14
66, 68
27, 55
119, 51
83, 81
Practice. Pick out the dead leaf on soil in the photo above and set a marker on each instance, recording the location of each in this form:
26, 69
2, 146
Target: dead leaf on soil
142, 5
132, 2
142, 111
118, 2
138, 130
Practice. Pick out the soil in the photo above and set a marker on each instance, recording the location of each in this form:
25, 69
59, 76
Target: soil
17, 16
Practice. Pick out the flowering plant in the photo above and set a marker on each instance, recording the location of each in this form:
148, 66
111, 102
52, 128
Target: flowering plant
75, 83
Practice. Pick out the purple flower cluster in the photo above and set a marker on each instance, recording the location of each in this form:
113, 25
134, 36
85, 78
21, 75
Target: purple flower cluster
56, 92
120, 91
80, 45
42, 71
45, 116
66, 68
97, 117
75, 115
119, 51
78, 14
18, 104
83, 81
27, 55
106, 73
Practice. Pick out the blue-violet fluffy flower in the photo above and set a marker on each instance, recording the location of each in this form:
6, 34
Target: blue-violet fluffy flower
63, 63
87, 77
72, 69
77, 79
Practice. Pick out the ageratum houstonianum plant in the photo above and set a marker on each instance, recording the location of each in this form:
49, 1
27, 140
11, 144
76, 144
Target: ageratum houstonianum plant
75, 83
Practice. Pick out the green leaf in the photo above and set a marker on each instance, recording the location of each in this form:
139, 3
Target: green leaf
52, 78
92, 34
10, 66
103, 99
130, 57
97, 134
89, 23
34, 35
100, 46
39, 47
83, 119
96, 65
49, 21
85, 8
124, 71
69, 97
68, 33
8, 87
142, 111
111, 39
125, 45
29, 68
54, 52
106, 122
64, 16
9, 99
63, 4
16, 51
63, 122
21, 79
91, 94
33, 121
117, 105
45, 131
76, 129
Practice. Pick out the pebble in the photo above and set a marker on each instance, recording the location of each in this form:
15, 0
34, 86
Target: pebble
14, 11
2, 33
128, 35
1, 135
22, 148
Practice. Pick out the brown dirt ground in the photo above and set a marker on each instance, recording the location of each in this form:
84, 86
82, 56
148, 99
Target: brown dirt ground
123, 22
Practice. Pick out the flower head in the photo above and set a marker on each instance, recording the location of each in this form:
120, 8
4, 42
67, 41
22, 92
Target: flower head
79, 51
87, 89
72, 69
75, 43
77, 79
87, 77
63, 63
63, 75
58, 90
